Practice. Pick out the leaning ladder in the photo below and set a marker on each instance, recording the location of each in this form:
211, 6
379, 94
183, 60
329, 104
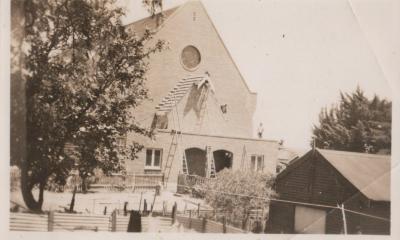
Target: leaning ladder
210, 163
171, 155
244, 155
184, 164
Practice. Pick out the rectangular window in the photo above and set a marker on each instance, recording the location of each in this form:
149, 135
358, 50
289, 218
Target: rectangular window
157, 157
153, 158
149, 154
260, 163
253, 163
257, 163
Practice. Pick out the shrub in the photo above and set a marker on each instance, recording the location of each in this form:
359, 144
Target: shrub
238, 192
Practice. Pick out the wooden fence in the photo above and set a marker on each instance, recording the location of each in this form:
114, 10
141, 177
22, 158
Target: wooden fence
187, 182
129, 181
64, 222
59, 222
204, 225
256, 219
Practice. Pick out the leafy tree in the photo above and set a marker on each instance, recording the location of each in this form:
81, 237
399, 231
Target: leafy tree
356, 124
238, 192
83, 75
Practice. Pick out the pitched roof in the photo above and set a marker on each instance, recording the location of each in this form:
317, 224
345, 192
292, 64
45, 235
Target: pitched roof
370, 173
151, 22
154, 23
176, 94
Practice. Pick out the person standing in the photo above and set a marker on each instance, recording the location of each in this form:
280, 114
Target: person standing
260, 130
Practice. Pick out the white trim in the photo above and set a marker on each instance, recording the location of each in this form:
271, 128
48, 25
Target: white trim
183, 64
152, 167
256, 162
219, 136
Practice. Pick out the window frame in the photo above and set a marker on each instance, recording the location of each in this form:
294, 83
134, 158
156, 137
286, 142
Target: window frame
256, 167
152, 166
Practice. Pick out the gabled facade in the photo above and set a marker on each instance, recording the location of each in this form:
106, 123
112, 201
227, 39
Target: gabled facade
320, 178
200, 105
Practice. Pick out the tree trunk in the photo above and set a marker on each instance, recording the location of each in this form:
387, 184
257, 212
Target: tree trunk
26, 189
84, 184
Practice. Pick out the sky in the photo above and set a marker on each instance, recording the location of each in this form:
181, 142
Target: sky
299, 55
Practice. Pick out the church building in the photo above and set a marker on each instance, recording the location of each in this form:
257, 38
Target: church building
200, 106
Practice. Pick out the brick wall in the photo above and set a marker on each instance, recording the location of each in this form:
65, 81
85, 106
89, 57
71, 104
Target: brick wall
165, 70
235, 145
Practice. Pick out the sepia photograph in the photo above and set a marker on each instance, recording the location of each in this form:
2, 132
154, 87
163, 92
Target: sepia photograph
256, 118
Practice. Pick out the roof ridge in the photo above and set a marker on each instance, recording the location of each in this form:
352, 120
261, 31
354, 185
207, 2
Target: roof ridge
368, 155
173, 9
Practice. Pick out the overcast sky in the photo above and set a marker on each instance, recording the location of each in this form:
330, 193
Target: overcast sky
299, 55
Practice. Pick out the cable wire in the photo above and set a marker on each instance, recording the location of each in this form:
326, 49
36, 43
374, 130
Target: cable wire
294, 202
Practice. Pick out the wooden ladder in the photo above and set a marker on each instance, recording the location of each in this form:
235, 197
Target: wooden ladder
210, 163
171, 155
184, 164
244, 160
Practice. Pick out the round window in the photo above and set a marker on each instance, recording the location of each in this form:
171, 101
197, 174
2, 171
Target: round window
190, 57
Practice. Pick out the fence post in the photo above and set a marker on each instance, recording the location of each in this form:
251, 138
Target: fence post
263, 221
50, 221
184, 210
224, 224
245, 222
140, 202
154, 201
344, 219
174, 208
163, 208
190, 219
203, 226
114, 221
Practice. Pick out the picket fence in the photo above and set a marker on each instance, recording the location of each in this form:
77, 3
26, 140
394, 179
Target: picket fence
129, 181
54, 221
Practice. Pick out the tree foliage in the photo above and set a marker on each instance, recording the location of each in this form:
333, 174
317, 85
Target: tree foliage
238, 192
84, 73
356, 124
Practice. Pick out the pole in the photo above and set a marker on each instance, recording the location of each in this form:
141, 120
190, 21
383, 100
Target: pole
174, 209
140, 202
50, 221
163, 206
190, 219
344, 219
114, 221
184, 210
224, 224
203, 225
94, 200
154, 200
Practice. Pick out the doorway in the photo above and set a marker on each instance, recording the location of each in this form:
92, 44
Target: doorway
223, 159
196, 161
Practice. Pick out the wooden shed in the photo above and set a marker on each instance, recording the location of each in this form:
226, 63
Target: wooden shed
321, 178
